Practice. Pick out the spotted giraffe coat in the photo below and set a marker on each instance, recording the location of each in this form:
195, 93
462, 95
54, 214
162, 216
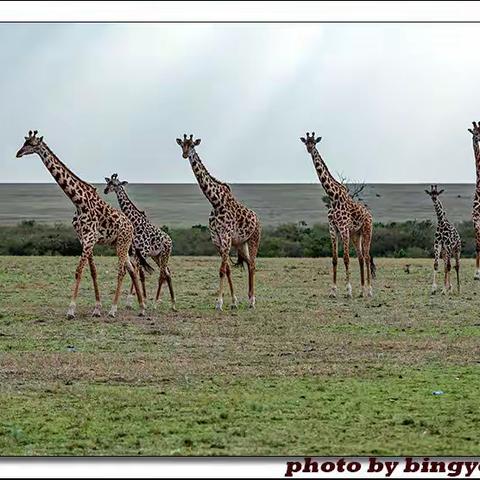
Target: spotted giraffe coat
447, 242
229, 219
149, 240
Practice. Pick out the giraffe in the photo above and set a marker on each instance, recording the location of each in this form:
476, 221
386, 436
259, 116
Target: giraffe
230, 223
447, 243
348, 220
95, 221
475, 131
149, 240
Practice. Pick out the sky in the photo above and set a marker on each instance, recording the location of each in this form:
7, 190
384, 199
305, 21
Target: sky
392, 101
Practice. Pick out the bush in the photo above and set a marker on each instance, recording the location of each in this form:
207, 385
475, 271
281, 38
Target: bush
406, 239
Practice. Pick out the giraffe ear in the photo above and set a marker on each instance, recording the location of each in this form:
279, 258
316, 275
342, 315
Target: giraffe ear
441, 191
470, 130
197, 142
40, 139
318, 139
179, 141
124, 183
427, 192
302, 139
106, 179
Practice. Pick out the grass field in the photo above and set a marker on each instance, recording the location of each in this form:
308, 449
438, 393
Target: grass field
303, 374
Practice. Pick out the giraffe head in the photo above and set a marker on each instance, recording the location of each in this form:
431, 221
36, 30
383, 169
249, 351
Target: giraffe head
31, 145
113, 183
188, 144
310, 141
433, 192
475, 131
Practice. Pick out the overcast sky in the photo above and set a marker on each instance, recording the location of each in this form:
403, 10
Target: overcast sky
392, 101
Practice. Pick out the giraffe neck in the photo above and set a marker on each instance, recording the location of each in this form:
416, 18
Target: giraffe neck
215, 191
439, 210
77, 190
127, 206
476, 153
331, 186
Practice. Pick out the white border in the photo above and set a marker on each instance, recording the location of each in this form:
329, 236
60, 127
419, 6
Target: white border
273, 11
101, 11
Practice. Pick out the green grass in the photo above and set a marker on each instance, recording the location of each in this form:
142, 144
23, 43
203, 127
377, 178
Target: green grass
303, 374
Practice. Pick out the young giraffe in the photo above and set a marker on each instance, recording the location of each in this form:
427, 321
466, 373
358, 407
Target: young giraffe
230, 222
447, 243
347, 219
149, 240
94, 222
475, 131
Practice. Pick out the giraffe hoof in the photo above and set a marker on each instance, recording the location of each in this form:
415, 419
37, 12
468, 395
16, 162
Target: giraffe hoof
233, 306
129, 307
70, 315
141, 313
332, 295
96, 313
174, 308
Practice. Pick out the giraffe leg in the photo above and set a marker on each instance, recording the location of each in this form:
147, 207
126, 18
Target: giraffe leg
141, 274
161, 279
357, 242
222, 273
86, 253
132, 271
449, 272
333, 238
436, 251
252, 246
446, 264
129, 302
93, 272
366, 245
165, 276
170, 288
346, 261
477, 263
477, 249
228, 272
124, 264
457, 269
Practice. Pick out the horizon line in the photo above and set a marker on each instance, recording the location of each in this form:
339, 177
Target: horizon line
420, 182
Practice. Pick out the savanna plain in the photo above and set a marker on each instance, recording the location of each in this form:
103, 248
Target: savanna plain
302, 374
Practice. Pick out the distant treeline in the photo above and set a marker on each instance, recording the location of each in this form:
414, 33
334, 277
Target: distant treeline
395, 239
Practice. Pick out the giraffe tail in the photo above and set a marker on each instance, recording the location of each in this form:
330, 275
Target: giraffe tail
141, 259
373, 268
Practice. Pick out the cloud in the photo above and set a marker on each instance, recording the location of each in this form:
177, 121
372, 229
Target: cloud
392, 101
